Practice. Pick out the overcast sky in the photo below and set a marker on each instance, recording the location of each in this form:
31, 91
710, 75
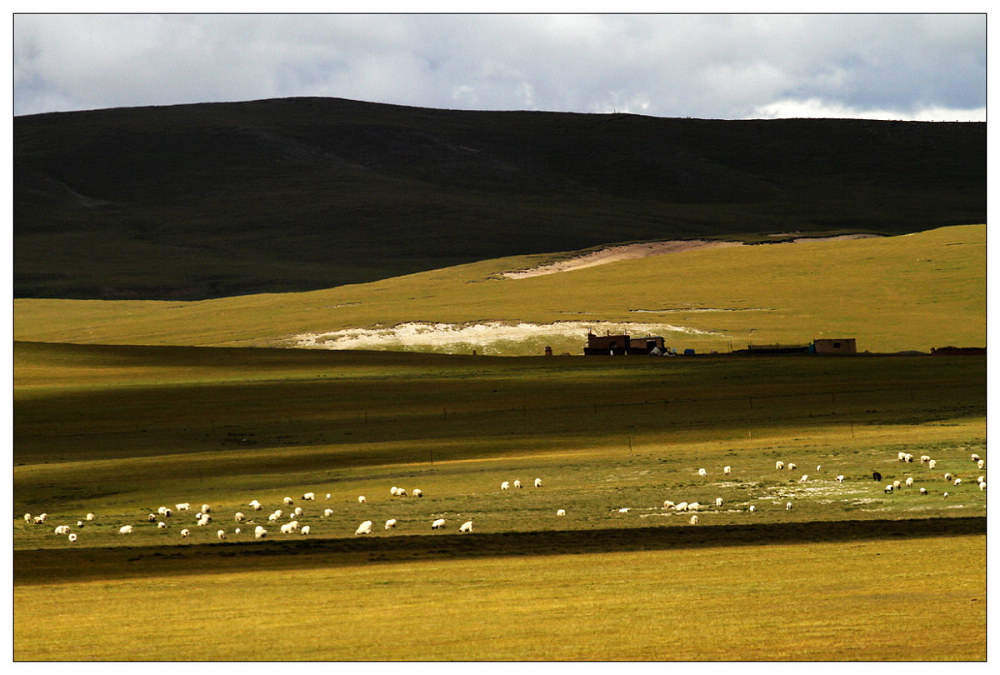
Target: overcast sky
728, 66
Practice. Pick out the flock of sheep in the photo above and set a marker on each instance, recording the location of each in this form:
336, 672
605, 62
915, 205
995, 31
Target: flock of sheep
291, 525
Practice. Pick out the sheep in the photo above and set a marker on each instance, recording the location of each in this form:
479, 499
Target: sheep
948, 477
727, 470
981, 479
72, 537
896, 484
163, 511
805, 477
466, 527
438, 524
958, 481
976, 458
923, 490
255, 505
327, 495
298, 511
538, 482
79, 523
694, 506
909, 481
417, 492
819, 467
980, 464
125, 529
183, 506
694, 520
361, 499
702, 473
901, 456
517, 484
931, 463
791, 467
290, 527
505, 485
309, 497
185, 533
945, 495
259, 533
752, 508
982, 485
888, 489
327, 513
221, 534
394, 490
27, 517
561, 512
288, 501
274, 516
876, 476
840, 478
90, 516
718, 501
779, 465
908, 457
924, 459
364, 528
681, 506
161, 525
62, 529
40, 518
624, 510
401, 492
151, 517
788, 506
390, 524
237, 531
239, 517
305, 529
667, 504
205, 508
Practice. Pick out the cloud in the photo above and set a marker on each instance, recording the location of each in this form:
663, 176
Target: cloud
719, 65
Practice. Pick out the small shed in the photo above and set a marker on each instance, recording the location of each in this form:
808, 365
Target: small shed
835, 346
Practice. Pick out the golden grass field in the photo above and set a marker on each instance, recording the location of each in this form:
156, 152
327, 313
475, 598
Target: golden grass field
851, 573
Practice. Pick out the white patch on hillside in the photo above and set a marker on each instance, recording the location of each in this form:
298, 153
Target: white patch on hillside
425, 335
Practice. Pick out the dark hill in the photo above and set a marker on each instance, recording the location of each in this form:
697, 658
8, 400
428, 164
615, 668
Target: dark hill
209, 200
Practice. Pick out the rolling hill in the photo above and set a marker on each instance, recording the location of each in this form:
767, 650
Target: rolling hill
211, 200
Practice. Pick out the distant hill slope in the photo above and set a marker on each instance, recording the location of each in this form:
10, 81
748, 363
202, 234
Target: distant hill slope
211, 200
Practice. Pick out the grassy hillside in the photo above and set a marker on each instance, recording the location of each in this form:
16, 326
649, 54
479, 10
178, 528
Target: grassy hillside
212, 200
911, 292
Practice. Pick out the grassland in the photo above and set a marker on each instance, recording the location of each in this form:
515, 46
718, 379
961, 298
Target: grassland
910, 292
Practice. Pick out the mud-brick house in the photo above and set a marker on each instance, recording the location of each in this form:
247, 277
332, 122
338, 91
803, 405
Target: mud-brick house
622, 345
835, 346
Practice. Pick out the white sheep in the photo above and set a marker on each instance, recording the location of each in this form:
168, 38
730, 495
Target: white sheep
185, 533
364, 528
298, 511
151, 517
288, 528
40, 518
394, 490
466, 527
205, 508
819, 467
981, 463
239, 517
401, 492
667, 504
438, 524
924, 459
718, 501
517, 484
805, 477
79, 523
888, 489
896, 485
976, 458
255, 505
90, 516
779, 465
945, 495
982, 485
693, 506
204, 520
901, 456
908, 457
237, 531
361, 499
505, 485
62, 529
163, 511
923, 490
125, 529
561, 512
309, 496
702, 473
681, 506
727, 470
752, 508
391, 523
417, 492
259, 533
161, 525
288, 501
72, 537
27, 517
948, 477
931, 463
694, 520
981, 479
624, 509
327, 495
221, 534
305, 529
183, 506
274, 516
538, 482
791, 467
909, 481
788, 506
958, 481
840, 478
327, 513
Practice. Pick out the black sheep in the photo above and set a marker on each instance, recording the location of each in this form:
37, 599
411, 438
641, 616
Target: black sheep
876, 475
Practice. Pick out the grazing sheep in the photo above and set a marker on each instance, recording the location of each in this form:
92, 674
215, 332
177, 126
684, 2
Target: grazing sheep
125, 529
779, 465
62, 529
185, 533
909, 481
255, 505
982, 485
237, 531
298, 511
163, 511
361, 499
151, 517
702, 473
561, 512
305, 529
924, 459
981, 463
931, 463
976, 458
327, 513
259, 533
788, 506
958, 481
239, 517
401, 492
840, 478
681, 506
694, 506
391, 523
274, 516
718, 501
876, 476
517, 484
72, 537
290, 527
727, 470
183, 506
364, 528
27, 517
79, 523
538, 482
393, 490
161, 525
945, 495
668, 504
309, 496
805, 477
417, 492
948, 477
624, 509
205, 508
791, 467
908, 457
901, 456
221, 534
981, 479
90, 516
819, 467
694, 520
896, 485
505, 485
752, 508
438, 524
888, 489
923, 490
288, 501
466, 527
39, 519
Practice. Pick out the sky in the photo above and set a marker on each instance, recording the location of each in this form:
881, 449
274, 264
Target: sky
720, 66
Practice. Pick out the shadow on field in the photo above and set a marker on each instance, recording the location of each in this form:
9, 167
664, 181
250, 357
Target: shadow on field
54, 565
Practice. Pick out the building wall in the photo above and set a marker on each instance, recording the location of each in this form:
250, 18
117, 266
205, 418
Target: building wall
836, 346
